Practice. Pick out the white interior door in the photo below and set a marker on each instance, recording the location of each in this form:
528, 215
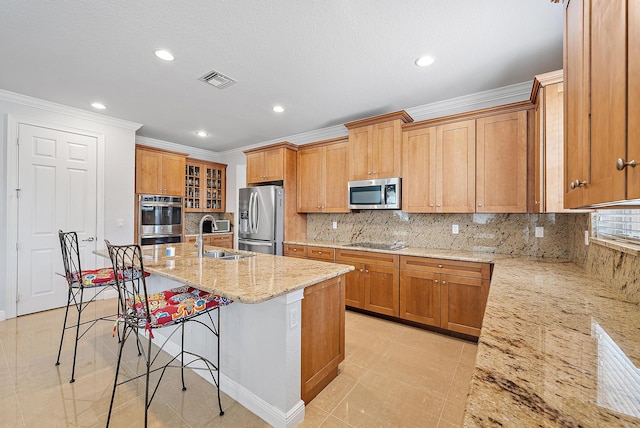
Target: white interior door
57, 181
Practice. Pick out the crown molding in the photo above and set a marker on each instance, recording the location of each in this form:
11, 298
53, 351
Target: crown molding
465, 103
297, 139
194, 152
68, 111
491, 98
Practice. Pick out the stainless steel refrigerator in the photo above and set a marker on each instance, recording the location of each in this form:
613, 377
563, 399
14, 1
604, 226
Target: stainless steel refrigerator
261, 224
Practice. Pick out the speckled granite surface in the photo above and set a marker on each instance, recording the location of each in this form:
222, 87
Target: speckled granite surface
250, 280
558, 348
512, 234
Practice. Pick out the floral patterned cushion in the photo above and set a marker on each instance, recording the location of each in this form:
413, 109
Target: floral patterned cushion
97, 277
100, 277
177, 304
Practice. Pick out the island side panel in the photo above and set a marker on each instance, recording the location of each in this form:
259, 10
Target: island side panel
323, 316
259, 353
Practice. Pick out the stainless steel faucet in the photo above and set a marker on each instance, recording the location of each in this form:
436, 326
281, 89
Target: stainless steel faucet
199, 243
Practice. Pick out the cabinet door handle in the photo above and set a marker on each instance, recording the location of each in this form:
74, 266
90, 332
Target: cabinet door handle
577, 184
480, 204
366, 271
621, 164
360, 270
436, 281
444, 282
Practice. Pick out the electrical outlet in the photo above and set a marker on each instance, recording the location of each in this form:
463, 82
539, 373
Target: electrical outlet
334, 224
454, 229
539, 232
120, 222
293, 317
586, 237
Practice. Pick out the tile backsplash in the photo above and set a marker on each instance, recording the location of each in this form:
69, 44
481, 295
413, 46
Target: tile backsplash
498, 233
192, 221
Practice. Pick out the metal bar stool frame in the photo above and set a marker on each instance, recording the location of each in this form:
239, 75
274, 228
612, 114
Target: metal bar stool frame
130, 277
76, 297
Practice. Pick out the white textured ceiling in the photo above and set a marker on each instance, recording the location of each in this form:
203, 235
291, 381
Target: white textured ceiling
326, 61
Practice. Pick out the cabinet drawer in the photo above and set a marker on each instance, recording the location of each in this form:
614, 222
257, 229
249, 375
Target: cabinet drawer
321, 253
456, 267
220, 239
367, 257
294, 250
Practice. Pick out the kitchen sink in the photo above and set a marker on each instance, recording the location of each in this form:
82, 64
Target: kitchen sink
375, 246
225, 255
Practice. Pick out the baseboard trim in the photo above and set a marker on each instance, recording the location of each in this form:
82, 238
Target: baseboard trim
3, 315
270, 414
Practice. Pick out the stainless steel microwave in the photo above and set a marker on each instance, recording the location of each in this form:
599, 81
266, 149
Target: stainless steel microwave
378, 194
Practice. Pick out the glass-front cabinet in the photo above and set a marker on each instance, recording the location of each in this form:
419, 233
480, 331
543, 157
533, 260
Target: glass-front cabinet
204, 186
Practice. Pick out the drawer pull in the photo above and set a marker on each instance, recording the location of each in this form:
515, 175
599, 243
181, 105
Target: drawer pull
440, 266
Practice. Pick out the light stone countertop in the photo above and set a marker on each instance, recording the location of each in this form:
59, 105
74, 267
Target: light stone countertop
468, 256
253, 279
558, 347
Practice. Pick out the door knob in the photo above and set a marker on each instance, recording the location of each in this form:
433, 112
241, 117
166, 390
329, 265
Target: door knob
90, 239
577, 184
621, 164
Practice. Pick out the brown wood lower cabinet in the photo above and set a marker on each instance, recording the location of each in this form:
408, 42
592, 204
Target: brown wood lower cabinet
322, 335
224, 240
373, 285
444, 293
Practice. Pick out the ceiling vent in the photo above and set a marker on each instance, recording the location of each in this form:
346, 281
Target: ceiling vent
217, 79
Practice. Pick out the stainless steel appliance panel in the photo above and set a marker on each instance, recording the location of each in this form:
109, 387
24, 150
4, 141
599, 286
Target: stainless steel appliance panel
159, 219
265, 247
261, 223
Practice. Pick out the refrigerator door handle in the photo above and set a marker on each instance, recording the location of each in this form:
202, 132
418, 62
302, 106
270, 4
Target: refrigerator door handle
250, 213
255, 243
256, 211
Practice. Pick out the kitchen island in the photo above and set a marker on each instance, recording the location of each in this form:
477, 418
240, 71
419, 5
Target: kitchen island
284, 310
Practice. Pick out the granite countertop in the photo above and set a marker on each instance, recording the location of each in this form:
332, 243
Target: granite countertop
558, 347
209, 233
250, 280
468, 256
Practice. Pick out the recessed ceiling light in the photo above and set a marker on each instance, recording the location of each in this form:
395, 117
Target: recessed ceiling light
99, 106
202, 133
424, 61
164, 55
278, 109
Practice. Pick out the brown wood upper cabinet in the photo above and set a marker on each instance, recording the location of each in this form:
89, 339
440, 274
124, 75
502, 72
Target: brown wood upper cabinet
204, 186
265, 165
375, 146
159, 172
322, 176
438, 168
501, 163
602, 97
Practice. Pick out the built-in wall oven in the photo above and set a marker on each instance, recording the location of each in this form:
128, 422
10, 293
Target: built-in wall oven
159, 219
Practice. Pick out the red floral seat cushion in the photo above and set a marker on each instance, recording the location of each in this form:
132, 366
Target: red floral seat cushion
99, 277
177, 304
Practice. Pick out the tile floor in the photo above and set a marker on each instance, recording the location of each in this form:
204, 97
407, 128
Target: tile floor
392, 376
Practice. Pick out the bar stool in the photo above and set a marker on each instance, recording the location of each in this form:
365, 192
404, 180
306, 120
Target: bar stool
147, 312
79, 280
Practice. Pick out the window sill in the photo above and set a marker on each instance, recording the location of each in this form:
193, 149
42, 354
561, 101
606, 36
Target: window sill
618, 244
